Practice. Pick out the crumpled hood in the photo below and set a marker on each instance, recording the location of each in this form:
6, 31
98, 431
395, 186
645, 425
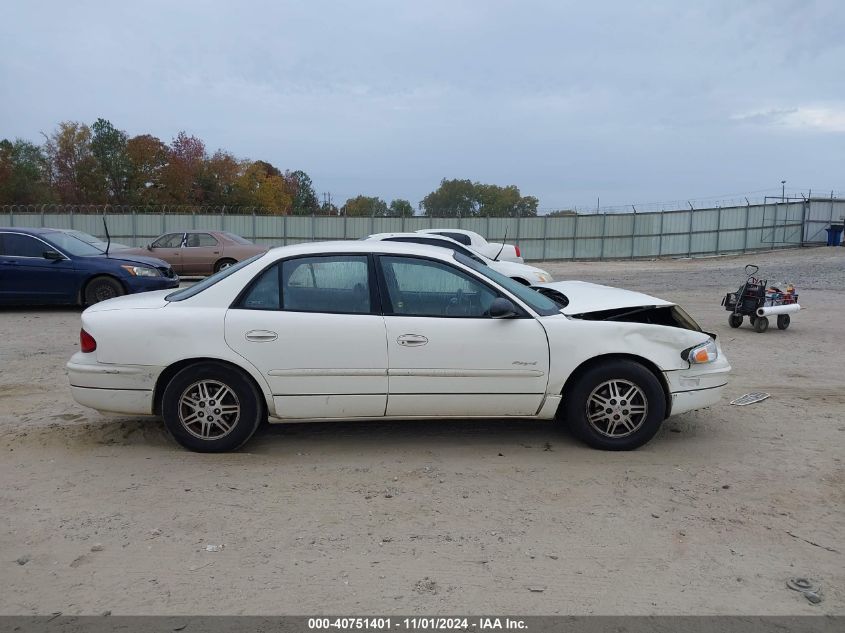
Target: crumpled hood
121, 257
587, 297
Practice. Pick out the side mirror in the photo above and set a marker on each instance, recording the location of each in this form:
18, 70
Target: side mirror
149, 247
502, 308
52, 255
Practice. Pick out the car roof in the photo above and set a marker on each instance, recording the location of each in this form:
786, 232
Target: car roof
30, 230
384, 236
361, 247
448, 228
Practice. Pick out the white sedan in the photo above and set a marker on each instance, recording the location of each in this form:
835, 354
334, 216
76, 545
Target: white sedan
523, 273
374, 330
493, 250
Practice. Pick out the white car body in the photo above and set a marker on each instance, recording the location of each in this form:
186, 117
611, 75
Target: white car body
326, 365
528, 275
493, 250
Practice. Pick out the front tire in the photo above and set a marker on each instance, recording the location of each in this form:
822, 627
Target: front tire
101, 289
211, 408
761, 325
783, 321
616, 406
735, 320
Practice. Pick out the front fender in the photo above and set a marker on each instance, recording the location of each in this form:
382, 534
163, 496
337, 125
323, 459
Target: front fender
573, 342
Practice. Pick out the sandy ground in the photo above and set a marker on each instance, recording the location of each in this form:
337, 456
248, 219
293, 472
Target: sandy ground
711, 517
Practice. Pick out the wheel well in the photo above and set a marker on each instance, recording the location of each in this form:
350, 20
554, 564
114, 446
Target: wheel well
167, 375
84, 286
225, 259
598, 360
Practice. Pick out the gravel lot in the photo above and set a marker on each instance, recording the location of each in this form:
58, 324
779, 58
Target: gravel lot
713, 516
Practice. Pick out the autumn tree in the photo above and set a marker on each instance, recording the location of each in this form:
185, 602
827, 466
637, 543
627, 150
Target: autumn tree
262, 185
147, 158
23, 173
73, 170
217, 178
180, 175
108, 145
364, 206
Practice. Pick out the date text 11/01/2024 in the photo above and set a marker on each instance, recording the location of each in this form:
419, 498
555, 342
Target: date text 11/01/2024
415, 623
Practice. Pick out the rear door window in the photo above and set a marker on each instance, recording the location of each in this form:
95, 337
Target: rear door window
200, 239
337, 283
331, 284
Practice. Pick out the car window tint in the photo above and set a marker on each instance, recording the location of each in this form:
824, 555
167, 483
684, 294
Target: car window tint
326, 284
422, 287
17, 245
541, 304
171, 240
200, 239
458, 237
264, 293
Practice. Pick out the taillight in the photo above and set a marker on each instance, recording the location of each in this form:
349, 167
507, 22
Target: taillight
518, 254
86, 342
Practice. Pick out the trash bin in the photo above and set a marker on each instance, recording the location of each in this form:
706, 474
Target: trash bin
834, 234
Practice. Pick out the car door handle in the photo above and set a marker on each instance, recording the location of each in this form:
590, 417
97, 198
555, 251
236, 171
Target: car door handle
261, 336
412, 340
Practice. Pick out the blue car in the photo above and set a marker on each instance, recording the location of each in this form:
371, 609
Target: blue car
50, 266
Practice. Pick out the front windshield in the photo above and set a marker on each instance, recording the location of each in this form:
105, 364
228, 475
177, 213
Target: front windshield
72, 245
190, 291
540, 304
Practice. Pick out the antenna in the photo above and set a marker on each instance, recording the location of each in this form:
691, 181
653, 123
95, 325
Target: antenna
504, 239
108, 237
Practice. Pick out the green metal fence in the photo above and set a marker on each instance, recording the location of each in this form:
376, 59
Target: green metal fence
682, 233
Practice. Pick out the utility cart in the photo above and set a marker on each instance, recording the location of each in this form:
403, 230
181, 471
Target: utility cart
758, 302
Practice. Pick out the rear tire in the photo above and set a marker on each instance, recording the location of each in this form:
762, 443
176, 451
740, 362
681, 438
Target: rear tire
735, 320
761, 324
211, 408
783, 321
616, 406
101, 289
223, 263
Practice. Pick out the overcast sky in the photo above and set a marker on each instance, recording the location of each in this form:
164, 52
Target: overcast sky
632, 102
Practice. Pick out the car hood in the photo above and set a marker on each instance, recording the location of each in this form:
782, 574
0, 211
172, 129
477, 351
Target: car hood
586, 297
131, 258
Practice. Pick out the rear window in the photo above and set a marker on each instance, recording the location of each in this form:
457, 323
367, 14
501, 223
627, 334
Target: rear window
237, 238
190, 291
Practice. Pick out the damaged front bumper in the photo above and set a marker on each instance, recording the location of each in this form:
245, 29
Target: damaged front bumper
698, 386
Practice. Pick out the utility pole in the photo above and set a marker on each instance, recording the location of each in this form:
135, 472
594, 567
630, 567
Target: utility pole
783, 191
